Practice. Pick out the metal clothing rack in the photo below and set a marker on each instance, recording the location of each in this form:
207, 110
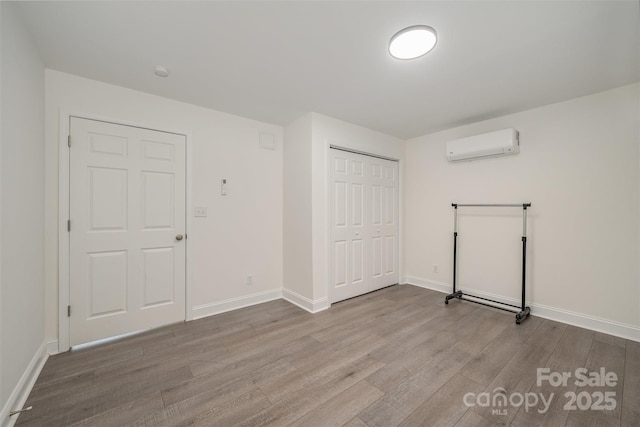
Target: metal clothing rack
522, 311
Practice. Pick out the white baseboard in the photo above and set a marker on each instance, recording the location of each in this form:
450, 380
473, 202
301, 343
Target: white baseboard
586, 321
428, 284
52, 347
20, 393
312, 306
206, 310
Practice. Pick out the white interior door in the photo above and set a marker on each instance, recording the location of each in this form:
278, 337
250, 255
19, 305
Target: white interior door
127, 213
364, 224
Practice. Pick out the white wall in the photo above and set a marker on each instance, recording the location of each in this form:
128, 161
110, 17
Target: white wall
22, 211
243, 231
297, 209
578, 166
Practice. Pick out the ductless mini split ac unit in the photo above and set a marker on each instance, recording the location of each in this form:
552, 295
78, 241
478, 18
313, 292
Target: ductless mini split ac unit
493, 144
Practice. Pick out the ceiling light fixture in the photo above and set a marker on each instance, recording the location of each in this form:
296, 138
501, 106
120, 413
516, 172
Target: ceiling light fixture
160, 71
412, 42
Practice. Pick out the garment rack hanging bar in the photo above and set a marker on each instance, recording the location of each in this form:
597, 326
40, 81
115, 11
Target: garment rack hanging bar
521, 312
492, 205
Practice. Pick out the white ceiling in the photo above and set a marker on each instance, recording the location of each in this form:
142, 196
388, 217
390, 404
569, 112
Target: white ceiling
273, 61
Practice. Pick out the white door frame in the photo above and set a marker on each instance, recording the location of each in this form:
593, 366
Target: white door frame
63, 216
335, 145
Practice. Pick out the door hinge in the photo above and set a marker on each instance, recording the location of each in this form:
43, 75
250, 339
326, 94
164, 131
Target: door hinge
68, 311
69, 141
68, 225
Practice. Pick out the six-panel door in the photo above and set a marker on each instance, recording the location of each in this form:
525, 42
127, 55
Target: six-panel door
127, 209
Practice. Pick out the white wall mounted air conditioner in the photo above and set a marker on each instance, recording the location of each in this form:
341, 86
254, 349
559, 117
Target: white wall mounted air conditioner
503, 142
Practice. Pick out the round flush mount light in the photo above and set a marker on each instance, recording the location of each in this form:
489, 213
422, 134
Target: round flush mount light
412, 42
160, 71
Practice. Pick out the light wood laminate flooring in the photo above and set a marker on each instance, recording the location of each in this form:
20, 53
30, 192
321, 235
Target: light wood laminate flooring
395, 357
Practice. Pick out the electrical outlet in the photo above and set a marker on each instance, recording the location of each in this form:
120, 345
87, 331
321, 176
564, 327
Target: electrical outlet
249, 279
435, 268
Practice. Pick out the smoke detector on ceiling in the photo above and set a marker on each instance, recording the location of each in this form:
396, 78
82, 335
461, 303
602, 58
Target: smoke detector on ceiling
160, 71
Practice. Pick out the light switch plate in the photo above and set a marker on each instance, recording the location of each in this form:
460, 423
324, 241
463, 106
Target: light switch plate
200, 211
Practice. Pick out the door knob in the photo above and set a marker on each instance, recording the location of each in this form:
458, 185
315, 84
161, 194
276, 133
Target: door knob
179, 237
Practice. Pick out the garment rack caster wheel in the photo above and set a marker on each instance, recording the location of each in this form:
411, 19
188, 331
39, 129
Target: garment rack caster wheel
446, 301
522, 315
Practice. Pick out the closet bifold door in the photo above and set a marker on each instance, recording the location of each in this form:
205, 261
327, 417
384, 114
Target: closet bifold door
363, 224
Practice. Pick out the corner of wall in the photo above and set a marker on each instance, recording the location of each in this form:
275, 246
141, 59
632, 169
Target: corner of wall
312, 306
21, 391
297, 249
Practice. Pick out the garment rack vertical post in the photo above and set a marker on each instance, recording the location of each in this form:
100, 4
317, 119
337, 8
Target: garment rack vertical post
522, 311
